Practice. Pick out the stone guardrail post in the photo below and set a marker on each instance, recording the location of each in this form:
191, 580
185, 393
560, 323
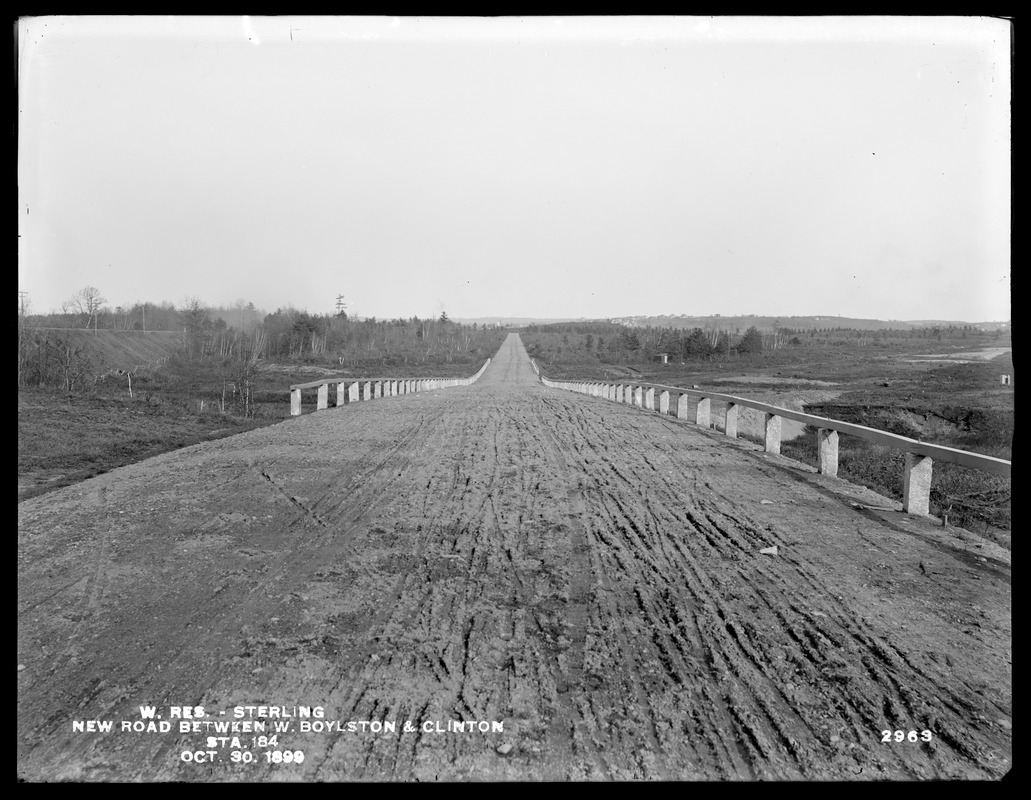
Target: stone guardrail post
828, 451
916, 491
353, 392
323, 401
649, 399
341, 394
682, 402
701, 412
664, 402
773, 434
730, 420
295, 402
367, 394
639, 397
619, 393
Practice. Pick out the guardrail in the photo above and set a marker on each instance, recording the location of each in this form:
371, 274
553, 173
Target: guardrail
352, 390
919, 455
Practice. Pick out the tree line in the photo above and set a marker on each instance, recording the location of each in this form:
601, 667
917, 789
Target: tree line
57, 349
618, 343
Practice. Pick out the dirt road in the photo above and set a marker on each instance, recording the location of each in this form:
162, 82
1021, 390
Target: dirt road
583, 575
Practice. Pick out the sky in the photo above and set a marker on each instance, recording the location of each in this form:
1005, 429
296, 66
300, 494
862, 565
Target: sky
525, 167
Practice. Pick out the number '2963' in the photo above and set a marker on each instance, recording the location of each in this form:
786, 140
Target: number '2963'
906, 736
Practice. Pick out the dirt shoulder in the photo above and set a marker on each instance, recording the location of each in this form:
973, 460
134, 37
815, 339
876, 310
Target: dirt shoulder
585, 574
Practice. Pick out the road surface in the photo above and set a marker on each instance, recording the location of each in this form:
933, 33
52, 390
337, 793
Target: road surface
582, 579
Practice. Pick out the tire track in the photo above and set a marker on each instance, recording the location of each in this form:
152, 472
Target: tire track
741, 654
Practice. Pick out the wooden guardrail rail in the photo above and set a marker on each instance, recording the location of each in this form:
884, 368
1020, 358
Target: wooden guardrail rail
353, 390
919, 455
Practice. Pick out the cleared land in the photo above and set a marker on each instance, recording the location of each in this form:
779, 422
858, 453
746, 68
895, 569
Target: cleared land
585, 573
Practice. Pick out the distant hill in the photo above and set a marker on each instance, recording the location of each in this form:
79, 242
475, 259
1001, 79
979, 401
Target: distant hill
744, 322
516, 322
798, 323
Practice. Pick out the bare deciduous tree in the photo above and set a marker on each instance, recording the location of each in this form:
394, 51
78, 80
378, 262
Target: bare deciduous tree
88, 302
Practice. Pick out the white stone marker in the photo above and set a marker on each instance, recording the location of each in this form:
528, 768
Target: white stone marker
772, 434
828, 451
916, 491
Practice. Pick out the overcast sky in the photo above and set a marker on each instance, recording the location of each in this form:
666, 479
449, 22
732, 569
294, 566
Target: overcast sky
551, 167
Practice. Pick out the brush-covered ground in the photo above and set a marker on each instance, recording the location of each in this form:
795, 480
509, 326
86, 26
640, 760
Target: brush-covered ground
64, 438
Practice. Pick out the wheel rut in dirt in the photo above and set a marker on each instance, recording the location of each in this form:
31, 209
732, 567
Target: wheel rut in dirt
584, 572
